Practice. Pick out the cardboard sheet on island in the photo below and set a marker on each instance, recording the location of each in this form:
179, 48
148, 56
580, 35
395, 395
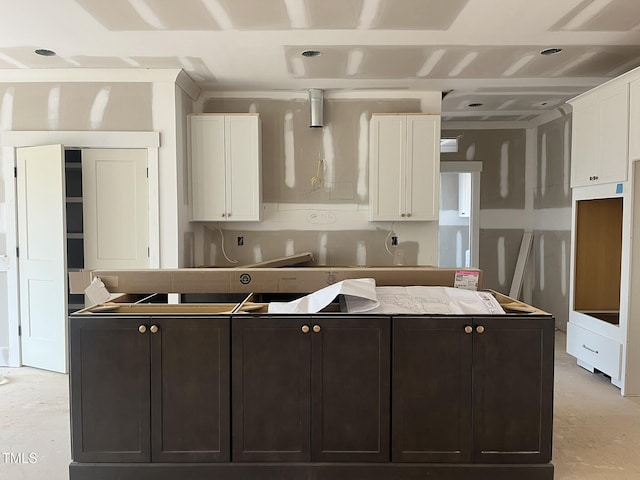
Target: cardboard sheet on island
269, 280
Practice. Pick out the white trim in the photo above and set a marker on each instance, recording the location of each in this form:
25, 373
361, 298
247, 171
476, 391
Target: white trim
188, 86
10, 140
99, 75
487, 125
88, 139
11, 220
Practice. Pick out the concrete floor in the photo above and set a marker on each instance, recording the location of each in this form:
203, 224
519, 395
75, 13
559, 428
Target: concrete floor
596, 431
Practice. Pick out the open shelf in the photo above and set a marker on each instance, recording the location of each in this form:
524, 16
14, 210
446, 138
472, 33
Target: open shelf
598, 258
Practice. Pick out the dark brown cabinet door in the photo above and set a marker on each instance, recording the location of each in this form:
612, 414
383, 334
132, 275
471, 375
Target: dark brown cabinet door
350, 389
512, 390
271, 389
109, 383
431, 413
310, 389
190, 389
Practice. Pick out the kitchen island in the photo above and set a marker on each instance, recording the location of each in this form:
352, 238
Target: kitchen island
196, 392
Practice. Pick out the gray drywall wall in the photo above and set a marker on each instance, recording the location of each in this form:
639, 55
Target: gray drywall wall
550, 258
552, 202
78, 106
503, 154
553, 166
498, 257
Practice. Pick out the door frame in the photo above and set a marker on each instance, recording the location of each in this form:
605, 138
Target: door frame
475, 168
10, 141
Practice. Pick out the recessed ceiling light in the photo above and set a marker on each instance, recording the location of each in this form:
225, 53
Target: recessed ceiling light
474, 105
550, 51
45, 53
311, 53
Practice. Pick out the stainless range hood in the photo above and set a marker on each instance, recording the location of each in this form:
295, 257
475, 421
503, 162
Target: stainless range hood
315, 106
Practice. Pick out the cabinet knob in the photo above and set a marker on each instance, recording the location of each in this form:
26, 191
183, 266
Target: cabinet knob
305, 329
142, 328
228, 214
480, 329
403, 215
224, 215
316, 328
154, 329
468, 329
408, 214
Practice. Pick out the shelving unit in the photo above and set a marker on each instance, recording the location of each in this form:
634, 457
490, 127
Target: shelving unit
74, 222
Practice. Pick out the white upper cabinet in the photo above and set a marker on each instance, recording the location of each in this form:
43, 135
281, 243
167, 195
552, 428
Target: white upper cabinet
634, 120
226, 177
404, 169
600, 136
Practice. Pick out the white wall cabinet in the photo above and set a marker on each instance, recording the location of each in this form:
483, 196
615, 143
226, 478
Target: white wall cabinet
600, 137
634, 120
404, 169
226, 177
604, 309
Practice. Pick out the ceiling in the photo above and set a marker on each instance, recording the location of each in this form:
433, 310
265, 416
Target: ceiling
480, 51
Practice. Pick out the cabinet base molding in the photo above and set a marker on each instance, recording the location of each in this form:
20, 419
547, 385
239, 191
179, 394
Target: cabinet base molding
307, 471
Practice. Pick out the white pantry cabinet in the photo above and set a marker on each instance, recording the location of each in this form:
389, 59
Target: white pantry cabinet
226, 177
600, 136
404, 169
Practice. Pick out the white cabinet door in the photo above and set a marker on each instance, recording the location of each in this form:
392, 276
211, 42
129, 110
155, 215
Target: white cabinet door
226, 177
404, 172
115, 208
600, 137
423, 167
42, 258
634, 120
207, 167
614, 134
584, 141
243, 183
386, 171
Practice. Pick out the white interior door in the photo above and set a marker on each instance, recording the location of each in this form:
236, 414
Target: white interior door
42, 256
115, 195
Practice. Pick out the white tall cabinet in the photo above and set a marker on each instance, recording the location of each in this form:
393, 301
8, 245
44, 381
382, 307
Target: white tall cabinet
226, 177
604, 307
404, 169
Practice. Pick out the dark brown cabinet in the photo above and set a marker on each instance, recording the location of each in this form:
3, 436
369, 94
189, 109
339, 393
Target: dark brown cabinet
472, 389
330, 396
149, 389
311, 389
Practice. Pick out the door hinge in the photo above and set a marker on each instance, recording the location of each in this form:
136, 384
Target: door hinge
19, 330
15, 172
147, 172
148, 252
18, 252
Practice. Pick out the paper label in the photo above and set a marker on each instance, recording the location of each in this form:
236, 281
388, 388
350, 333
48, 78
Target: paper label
467, 280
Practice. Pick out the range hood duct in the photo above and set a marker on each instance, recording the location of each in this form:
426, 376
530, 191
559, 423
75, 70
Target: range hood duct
315, 106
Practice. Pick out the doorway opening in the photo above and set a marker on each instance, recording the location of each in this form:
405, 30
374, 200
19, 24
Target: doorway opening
459, 214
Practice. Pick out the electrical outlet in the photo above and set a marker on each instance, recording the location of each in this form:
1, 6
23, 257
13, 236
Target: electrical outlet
394, 241
240, 241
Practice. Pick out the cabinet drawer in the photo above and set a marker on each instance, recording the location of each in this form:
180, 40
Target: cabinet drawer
600, 352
